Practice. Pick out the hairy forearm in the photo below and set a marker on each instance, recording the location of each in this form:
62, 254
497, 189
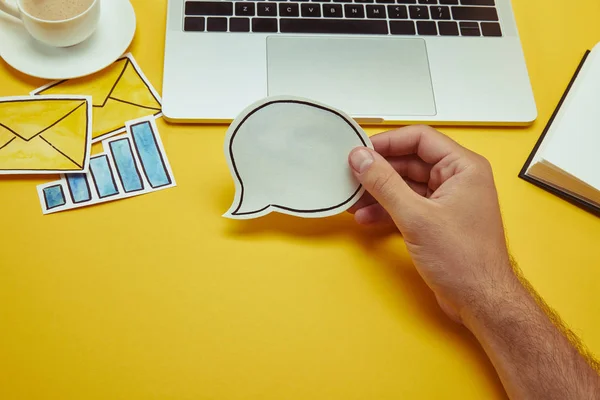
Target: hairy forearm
535, 355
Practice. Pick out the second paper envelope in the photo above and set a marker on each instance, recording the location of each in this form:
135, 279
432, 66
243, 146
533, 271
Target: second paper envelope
119, 93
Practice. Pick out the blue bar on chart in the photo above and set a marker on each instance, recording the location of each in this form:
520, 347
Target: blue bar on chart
54, 196
150, 156
126, 167
78, 188
103, 176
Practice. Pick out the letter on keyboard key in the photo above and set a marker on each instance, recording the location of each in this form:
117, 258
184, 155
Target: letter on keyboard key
311, 10
354, 11
244, 8
332, 10
289, 10
208, 8
475, 13
375, 11
302, 25
267, 10
264, 25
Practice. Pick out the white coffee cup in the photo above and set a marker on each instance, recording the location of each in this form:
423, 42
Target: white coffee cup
61, 33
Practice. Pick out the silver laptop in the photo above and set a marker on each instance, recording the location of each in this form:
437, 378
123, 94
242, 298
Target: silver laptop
381, 61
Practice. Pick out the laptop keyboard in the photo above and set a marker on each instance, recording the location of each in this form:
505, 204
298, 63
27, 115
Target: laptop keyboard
375, 17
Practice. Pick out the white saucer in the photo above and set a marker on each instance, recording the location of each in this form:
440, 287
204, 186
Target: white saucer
112, 37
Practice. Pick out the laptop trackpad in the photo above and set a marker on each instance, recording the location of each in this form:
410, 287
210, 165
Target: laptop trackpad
363, 76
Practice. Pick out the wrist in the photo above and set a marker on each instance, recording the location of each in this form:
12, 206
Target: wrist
490, 301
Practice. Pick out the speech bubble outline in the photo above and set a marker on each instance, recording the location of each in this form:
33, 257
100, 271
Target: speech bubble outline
273, 206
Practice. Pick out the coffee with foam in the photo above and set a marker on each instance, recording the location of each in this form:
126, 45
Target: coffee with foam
55, 10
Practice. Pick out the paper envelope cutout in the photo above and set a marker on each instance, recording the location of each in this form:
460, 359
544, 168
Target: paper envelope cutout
119, 93
45, 134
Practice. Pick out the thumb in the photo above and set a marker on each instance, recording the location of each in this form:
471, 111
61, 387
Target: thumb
382, 181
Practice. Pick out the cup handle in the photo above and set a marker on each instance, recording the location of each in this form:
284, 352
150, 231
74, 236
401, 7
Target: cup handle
9, 9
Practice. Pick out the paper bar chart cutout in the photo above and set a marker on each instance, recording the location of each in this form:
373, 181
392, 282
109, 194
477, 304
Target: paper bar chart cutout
121, 92
131, 165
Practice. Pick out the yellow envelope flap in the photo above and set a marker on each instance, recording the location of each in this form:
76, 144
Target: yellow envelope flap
132, 89
5, 136
29, 118
98, 85
121, 81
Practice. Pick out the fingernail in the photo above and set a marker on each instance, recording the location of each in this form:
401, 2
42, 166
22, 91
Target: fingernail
360, 160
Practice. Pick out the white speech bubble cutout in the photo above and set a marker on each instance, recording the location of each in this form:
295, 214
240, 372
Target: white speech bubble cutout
290, 155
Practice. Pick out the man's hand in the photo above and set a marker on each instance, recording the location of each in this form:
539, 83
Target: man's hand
442, 198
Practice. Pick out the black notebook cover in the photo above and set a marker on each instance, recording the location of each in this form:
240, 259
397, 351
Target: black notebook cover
564, 195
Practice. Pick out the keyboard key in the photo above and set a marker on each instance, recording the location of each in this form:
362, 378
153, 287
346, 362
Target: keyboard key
363, 1
332, 11
426, 28
312, 10
397, 12
289, 10
306, 25
475, 13
239, 24
244, 8
192, 24
354, 11
448, 1
491, 29
385, 1
428, 2
402, 28
440, 12
266, 10
208, 8
419, 12
216, 24
448, 28
343, 1
478, 2
469, 29
406, 1
375, 11
264, 25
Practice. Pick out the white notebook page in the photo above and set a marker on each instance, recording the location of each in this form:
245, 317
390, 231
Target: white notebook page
573, 142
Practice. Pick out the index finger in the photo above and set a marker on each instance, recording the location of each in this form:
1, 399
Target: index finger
429, 144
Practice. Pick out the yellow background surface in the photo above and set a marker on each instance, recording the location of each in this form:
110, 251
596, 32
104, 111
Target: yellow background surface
159, 297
